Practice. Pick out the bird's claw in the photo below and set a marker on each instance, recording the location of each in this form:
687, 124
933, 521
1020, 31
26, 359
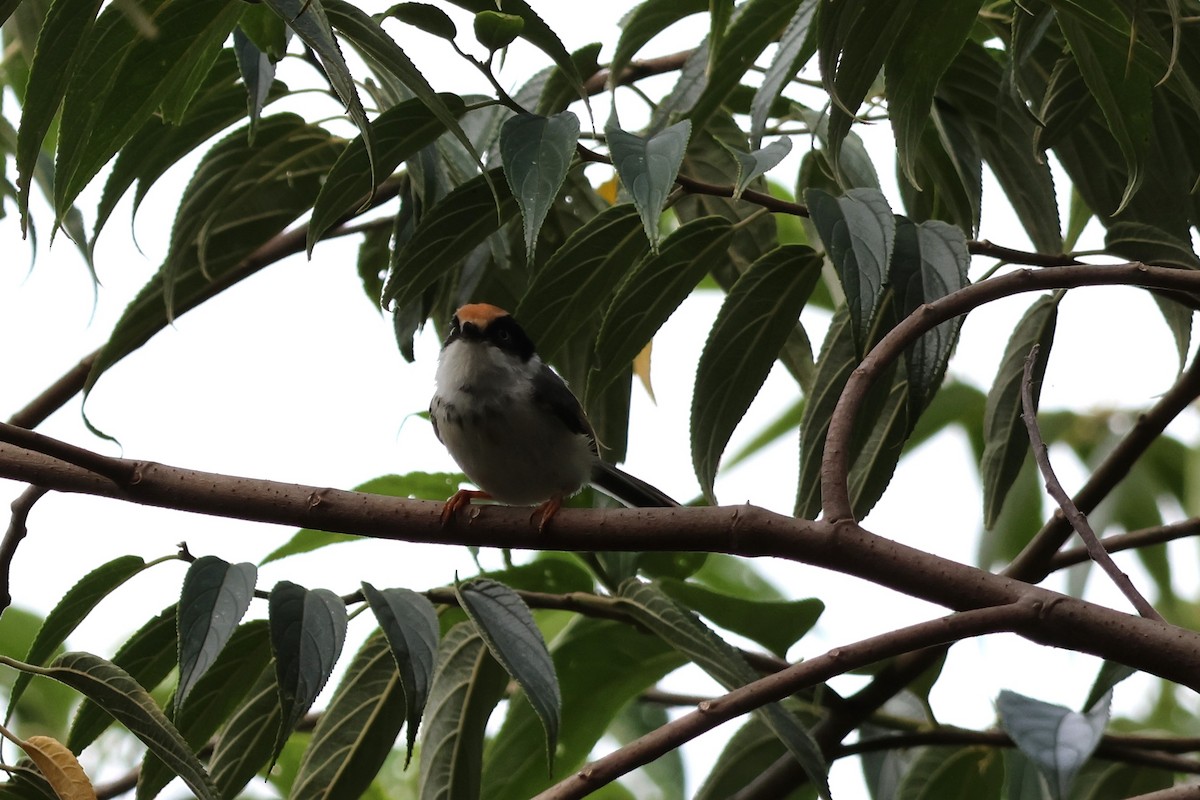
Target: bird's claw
545, 511
458, 501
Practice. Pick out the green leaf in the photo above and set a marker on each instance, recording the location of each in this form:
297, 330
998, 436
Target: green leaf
112, 689
264, 27
413, 485
758, 23
853, 40
574, 286
468, 684
398, 134
758, 315
795, 48
213, 699
775, 624
858, 230
1099, 780
758, 162
931, 39
258, 75
496, 31
648, 167
410, 624
309, 20
930, 261
939, 772
367, 35
508, 628
1056, 739
1006, 439
1111, 673
239, 198
148, 656
558, 91
215, 597
647, 20
247, 741
783, 424
602, 665
448, 232
355, 734
652, 291
430, 19
682, 630
536, 153
949, 169
308, 629
71, 610
67, 25
122, 77
749, 752
1121, 86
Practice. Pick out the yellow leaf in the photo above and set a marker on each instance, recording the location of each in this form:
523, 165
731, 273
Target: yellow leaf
641, 368
60, 768
608, 189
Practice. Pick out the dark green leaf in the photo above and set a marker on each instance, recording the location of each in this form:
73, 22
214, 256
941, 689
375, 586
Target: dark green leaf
239, 198
264, 27
459, 223
750, 751
1057, 740
758, 315
247, 742
795, 47
309, 20
214, 698
648, 168
410, 623
1006, 440
122, 77
505, 623
931, 38
775, 624
1111, 673
112, 689
783, 424
308, 629
644, 22
430, 19
602, 665
758, 23
939, 772
215, 596
71, 610
495, 30
258, 75
415, 485
398, 133
466, 688
652, 291
148, 656
574, 286
930, 261
356, 732
66, 26
686, 633
558, 91
858, 230
536, 153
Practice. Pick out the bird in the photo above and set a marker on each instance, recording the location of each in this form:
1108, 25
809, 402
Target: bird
513, 425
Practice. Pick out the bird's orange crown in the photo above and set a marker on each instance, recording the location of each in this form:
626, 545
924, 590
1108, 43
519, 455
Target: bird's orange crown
479, 314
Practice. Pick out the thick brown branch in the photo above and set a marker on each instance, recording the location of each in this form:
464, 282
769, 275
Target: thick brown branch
1164, 650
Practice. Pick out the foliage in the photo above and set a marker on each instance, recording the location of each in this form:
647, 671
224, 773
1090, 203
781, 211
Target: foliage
496, 198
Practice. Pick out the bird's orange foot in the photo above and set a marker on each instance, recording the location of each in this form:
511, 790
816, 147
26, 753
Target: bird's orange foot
460, 500
545, 511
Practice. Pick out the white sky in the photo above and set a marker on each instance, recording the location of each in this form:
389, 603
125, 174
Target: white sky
291, 376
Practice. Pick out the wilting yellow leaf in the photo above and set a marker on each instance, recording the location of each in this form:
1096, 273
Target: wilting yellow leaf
608, 189
59, 767
641, 368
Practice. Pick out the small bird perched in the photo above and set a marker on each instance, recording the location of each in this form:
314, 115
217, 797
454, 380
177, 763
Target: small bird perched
512, 424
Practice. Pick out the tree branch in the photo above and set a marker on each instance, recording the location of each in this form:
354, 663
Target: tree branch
774, 688
17, 529
1076, 517
835, 467
1128, 541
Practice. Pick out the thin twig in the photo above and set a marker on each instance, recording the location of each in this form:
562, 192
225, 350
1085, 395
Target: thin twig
116, 470
1132, 540
1076, 517
17, 528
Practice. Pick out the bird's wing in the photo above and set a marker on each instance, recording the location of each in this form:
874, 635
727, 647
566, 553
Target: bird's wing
552, 393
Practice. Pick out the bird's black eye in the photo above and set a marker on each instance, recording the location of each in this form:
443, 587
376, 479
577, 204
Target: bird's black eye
503, 335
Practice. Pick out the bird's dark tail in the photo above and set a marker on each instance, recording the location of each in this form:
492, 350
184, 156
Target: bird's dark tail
631, 491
